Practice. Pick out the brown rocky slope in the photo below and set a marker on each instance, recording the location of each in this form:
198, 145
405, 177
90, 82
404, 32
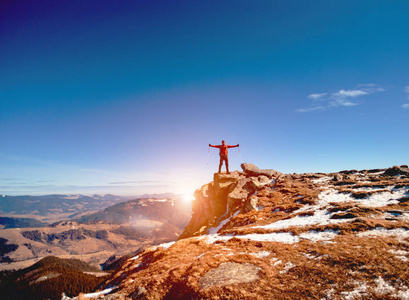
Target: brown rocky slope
260, 234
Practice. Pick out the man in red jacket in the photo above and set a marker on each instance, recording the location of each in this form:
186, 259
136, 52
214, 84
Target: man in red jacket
223, 154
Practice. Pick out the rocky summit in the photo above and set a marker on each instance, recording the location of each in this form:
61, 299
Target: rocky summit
261, 234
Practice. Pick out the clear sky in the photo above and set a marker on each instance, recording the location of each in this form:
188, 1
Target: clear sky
124, 96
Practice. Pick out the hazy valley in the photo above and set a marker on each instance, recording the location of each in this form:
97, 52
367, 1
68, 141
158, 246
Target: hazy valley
92, 236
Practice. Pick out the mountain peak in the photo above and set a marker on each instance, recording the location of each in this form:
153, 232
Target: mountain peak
261, 234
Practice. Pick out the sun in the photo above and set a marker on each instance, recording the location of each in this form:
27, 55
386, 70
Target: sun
187, 197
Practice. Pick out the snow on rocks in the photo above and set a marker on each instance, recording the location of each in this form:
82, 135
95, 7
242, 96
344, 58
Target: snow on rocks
315, 236
319, 214
400, 254
214, 230
262, 254
91, 295
380, 287
360, 292
282, 237
322, 180
166, 245
289, 265
372, 200
400, 233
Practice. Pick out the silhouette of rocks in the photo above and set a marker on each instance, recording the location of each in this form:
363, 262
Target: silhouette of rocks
395, 170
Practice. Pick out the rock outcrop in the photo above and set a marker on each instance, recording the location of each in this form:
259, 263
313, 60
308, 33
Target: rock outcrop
225, 195
395, 170
253, 170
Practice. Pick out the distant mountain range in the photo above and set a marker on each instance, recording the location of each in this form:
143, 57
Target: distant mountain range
54, 207
114, 231
138, 212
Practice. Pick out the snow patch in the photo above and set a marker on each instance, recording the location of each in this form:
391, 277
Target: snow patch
157, 200
359, 292
322, 180
166, 245
375, 200
214, 230
382, 287
400, 254
315, 236
401, 233
261, 254
320, 217
91, 295
283, 237
289, 265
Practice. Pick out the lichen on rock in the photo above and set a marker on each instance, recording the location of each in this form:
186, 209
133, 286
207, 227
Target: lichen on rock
229, 273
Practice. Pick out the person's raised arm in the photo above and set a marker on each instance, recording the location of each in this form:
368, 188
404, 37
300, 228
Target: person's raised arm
214, 146
233, 146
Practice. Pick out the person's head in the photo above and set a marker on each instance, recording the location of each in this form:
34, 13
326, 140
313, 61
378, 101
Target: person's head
223, 142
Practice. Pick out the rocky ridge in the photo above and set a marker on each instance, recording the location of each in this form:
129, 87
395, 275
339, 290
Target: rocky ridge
227, 194
260, 234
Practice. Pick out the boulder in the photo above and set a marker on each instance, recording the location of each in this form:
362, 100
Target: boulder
404, 170
337, 177
237, 195
236, 198
349, 172
395, 170
263, 179
253, 185
223, 183
253, 170
251, 204
230, 273
374, 170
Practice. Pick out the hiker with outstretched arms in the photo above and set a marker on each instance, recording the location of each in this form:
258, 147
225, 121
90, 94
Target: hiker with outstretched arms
223, 154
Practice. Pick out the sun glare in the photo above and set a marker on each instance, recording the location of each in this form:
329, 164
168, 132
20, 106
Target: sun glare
188, 197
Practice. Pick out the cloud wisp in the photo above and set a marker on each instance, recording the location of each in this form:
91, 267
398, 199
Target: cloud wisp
406, 105
342, 98
317, 96
135, 182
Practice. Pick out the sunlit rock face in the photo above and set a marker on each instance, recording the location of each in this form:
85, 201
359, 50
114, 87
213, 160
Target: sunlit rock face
218, 199
267, 235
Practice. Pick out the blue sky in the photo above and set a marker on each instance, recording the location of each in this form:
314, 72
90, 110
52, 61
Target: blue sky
124, 96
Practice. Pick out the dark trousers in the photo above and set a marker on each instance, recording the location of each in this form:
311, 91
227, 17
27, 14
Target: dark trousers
225, 158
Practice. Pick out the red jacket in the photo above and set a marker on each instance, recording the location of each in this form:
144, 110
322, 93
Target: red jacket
223, 148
